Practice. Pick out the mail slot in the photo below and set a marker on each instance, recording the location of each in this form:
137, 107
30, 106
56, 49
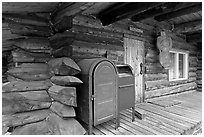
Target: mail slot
126, 89
97, 96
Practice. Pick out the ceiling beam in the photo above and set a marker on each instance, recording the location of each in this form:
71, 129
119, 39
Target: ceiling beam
161, 9
66, 11
189, 27
179, 12
124, 10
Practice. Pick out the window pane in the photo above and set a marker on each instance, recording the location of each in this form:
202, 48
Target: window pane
181, 65
172, 70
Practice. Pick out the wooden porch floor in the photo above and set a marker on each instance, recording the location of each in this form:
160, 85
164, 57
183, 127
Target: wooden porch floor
183, 118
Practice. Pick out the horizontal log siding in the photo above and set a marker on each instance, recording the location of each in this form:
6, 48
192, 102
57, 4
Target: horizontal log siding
156, 77
94, 40
199, 71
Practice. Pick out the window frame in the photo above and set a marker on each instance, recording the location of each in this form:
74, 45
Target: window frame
186, 67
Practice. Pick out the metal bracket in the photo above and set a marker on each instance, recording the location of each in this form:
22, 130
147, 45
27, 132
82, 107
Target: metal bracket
92, 97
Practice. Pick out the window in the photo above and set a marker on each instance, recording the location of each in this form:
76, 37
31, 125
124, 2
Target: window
179, 65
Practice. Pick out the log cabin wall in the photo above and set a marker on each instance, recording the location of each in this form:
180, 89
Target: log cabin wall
156, 77
199, 70
91, 39
95, 40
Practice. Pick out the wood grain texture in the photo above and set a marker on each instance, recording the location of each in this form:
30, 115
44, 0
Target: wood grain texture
26, 86
23, 118
13, 102
62, 110
68, 126
66, 80
64, 95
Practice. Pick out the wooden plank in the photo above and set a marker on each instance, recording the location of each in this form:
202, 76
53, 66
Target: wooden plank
165, 126
174, 117
173, 126
180, 12
153, 129
97, 132
120, 129
104, 130
111, 129
138, 124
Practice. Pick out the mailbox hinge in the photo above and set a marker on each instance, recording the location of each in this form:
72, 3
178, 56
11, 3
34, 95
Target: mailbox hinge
92, 97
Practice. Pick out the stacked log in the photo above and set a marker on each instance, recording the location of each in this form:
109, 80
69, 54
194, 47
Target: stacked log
40, 95
199, 72
41, 98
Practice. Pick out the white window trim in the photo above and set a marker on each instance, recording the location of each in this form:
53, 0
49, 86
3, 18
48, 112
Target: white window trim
177, 52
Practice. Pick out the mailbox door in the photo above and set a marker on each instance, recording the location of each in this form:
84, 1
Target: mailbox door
104, 92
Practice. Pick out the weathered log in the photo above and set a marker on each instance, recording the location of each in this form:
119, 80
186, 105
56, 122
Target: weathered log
151, 77
20, 119
12, 78
65, 80
31, 71
13, 102
97, 32
25, 19
33, 43
26, 86
62, 110
170, 90
64, 95
89, 51
90, 38
62, 52
68, 126
61, 39
64, 66
154, 68
26, 57
38, 128
64, 24
155, 84
29, 30
192, 74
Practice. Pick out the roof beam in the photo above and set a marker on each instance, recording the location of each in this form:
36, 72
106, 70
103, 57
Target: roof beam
124, 10
179, 12
189, 27
161, 9
66, 11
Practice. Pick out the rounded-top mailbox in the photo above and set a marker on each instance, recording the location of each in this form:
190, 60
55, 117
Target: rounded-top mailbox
97, 96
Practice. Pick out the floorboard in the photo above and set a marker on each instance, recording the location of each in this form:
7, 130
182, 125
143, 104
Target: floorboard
179, 119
